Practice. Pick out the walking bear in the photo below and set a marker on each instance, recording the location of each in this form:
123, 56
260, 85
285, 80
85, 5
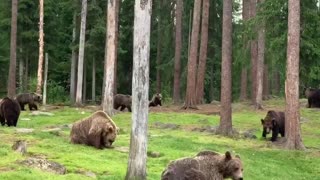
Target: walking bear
123, 101
156, 100
275, 122
206, 165
30, 99
313, 96
9, 112
97, 130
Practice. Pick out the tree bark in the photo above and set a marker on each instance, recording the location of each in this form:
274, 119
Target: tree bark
203, 52
81, 53
73, 62
266, 82
11, 91
292, 125
41, 45
225, 127
140, 91
21, 68
244, 84
190, 100
84, 88
260, 64
93, 87
110, 57
254, 55
44, 98
276, 81
177, 54
118, 5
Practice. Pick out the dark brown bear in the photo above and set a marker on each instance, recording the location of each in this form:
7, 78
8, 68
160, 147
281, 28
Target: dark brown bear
275, 122
9, 112
205, 166
156, 100
30, 99
313, 96
123, 101
97, 130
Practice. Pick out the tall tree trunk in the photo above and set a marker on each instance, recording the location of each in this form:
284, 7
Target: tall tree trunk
81, 53
140, 91
214, 19
11, 91
41, 45
44, 98
159, 46
73, 61
292, 124
110, 57
203, 52
225, 127
93, 87
190, 100
21, 68
118, 5
177, 53
254, 55
276, 82
84, 88
244, 71
266, 82
260, 64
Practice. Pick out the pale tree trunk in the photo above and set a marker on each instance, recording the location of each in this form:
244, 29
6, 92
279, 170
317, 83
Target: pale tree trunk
292, 125
110, 57
11, 89
177, 53
158, 80
203, 52
44, 98
254, 55
118, 5
41, 45
84, 88
266, 82
140, 91
93, 87
190, 100
225, 127
189, 33
244, 71
260, 64
73, 61
81, 53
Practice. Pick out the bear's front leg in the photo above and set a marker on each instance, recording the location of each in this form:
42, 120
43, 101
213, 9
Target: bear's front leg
275, 132
264, 133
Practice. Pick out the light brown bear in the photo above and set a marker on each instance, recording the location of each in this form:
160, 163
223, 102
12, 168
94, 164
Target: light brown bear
207, 165
97, 130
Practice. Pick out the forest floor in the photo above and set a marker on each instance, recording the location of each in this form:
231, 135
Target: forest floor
173, 133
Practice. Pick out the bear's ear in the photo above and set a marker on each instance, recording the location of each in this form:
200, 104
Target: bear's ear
262, 121
110, 129
274, 122
228, 156
237, 156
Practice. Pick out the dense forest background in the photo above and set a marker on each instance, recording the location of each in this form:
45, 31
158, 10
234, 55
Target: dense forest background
59, 22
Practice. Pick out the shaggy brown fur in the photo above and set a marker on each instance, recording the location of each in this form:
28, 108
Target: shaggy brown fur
30, 99
205, 166
123, 101
9, 112
156, 100
275, 122
313, 96
97, 130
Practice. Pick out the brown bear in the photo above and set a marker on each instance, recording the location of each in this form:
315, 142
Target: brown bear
30, 99
9, 112
156, 100
123, 101
206, 165
313, 96
275, 122
97, 130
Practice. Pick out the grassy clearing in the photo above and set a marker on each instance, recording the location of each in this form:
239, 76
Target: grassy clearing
261, 159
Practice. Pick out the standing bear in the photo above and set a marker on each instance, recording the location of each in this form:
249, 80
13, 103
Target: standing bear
275, 122
156, 100
30, 99
123, 101
207, 165
97, 130
9, 112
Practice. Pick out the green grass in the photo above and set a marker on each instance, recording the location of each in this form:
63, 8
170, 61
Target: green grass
261, 160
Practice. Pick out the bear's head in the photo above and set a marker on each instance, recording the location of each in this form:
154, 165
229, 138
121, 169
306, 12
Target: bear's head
109, 134
268, 123
233, 167
157, 98
36, 97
